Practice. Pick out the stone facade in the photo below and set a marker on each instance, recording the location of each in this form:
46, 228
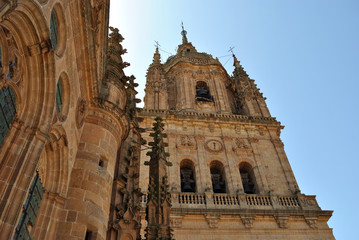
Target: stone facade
230, 177
71, 159
74, 142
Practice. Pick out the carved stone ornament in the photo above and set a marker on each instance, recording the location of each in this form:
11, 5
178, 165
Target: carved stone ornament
247, 221
214, 146
212, 220
176, 221
211, 127
11, 67
186, 142
242, 147
81, 112
282, 221
312, 222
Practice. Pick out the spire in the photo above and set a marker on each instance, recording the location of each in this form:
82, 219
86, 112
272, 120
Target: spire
158, 202
238, 67
184, 35
236, 63
156, 56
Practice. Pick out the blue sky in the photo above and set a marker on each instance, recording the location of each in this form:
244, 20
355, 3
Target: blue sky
303, 56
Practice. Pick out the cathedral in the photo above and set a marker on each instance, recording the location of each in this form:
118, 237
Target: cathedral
202, 160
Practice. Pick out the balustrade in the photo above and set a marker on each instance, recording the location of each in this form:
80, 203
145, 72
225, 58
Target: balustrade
288, 201
191, 198
258, 200
251, 200
225, 199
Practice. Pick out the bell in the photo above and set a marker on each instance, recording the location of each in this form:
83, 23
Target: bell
202, 92
187, 187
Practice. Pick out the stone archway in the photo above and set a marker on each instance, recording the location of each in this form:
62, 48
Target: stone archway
25, 140
54, 174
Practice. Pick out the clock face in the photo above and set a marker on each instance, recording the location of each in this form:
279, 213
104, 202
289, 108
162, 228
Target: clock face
214, 146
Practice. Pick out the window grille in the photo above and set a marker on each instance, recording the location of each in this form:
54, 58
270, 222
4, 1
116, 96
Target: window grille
30, 210
54, 30
7, 111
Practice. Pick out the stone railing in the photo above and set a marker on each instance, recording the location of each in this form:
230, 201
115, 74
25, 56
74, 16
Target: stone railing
191, 198
258, 200
288, 201
239, 201
225, 199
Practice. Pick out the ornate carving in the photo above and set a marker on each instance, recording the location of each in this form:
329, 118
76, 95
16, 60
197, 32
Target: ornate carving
282, 221
239, 128
312, 222
81, 112
242, 147
186, 142
247, 221
212, 220
261, 130
211, 127
176, 221
214, 146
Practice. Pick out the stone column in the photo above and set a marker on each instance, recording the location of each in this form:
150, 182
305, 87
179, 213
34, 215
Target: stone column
89, 193
258, 171
235, 178
204, 174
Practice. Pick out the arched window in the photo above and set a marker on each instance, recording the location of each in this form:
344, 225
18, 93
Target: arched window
202, 92
30, 210
7, 111
54, 32
248, 180
218, 177
59, 96
188, 182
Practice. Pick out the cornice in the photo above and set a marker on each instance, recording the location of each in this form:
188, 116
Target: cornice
217, 117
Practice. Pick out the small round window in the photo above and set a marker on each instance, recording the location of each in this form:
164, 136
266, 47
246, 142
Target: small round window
54, 30
7, 111
59, 96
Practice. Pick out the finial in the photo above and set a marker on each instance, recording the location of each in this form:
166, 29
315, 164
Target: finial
236, 62
157, 45
157, 56
184, 33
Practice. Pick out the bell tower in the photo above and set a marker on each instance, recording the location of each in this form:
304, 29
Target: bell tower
230, 178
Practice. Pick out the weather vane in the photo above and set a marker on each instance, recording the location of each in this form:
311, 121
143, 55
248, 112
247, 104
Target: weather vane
157, 45
231, 50
182, 26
